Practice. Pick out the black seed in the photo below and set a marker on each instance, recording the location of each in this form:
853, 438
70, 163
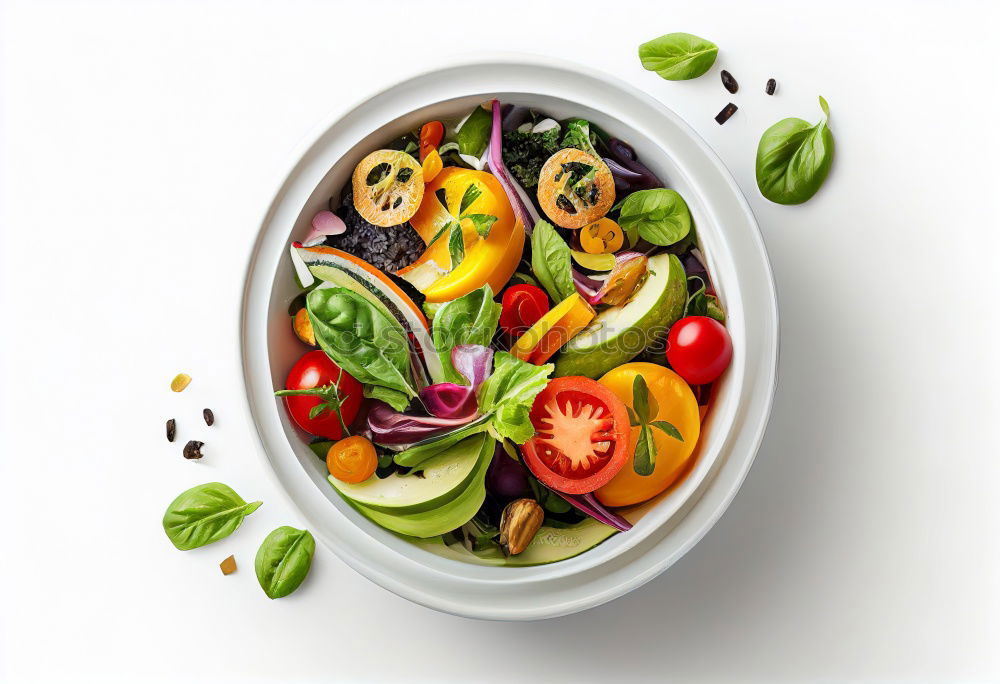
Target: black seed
727, 111
771, 85
378, 173
209, 416
193, 449
729, 82
171, 429
404, 175
563, 203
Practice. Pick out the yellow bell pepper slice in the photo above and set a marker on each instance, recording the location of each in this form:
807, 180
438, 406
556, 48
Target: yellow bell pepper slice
553, 330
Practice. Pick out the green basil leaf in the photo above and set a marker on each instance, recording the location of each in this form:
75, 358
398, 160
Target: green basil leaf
794, 158
283, 560
641, 398
361, 339
394, 398
659, 215
644, 461
470, 319
678, 56
205, 514
471, 194
550, 261
475, 133
441, 231
456, 245
633, 417
668, 428
482, 222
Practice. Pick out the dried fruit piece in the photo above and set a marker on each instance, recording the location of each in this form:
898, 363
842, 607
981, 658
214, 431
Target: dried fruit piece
727, 111
180, 381
228, 566
519, 522
171, 429
729, 82
192, 449
771, 85
209, 417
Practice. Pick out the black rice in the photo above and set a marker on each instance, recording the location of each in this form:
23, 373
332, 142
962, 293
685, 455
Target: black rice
387, 249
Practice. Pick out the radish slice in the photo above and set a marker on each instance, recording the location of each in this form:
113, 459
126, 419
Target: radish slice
324, 223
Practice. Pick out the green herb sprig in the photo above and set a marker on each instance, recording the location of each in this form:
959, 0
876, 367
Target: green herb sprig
645, 408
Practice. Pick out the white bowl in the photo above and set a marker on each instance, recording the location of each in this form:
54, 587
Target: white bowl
737, 260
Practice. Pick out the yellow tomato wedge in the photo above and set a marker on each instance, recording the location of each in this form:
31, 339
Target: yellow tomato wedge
676, 405
553, 330
491, 259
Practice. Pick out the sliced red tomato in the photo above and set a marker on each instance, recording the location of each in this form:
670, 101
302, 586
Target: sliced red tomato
314, 379
523, 306
581, 435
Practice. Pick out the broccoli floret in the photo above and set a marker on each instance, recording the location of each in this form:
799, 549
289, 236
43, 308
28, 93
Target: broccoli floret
524, 154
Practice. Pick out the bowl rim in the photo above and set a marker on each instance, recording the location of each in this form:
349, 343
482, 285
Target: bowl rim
706, 519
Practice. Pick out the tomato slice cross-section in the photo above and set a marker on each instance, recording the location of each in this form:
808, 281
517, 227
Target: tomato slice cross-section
581, 435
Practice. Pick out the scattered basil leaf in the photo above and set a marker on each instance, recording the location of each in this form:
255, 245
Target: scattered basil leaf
470, 319
658, 215
283, 560
482, 222
205, 514
669, 429
644, 461
678, 56
361, 339
794, 158
475, 133
645, 408
471, 194
550, 261
456, 245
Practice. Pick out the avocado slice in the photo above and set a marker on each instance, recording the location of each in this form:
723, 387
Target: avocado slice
619, 334
550, 545
450, 515
441, 479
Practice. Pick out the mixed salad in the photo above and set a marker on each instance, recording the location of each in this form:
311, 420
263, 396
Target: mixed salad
513, 337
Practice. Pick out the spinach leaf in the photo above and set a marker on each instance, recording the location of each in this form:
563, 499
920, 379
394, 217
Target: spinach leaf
361, 339
475, 132
470, 319
550, 261
205, 514
659, 215
794, 158
678, 56
283, 560
579, 135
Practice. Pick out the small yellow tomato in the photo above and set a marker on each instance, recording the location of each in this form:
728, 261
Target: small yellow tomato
676, 405
352, 459
602, 237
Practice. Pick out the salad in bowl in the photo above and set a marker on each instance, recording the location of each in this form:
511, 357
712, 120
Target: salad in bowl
510, 337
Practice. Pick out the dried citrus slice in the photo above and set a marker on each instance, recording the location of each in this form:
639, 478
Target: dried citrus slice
575, 189
388, 186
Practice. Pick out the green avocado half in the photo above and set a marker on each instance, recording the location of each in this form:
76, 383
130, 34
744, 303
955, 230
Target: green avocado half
619, 334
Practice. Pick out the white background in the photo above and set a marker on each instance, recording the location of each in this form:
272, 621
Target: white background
141, 143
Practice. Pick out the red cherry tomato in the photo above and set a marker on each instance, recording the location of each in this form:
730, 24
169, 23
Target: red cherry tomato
523, 306
430, 137
581, 435
316, 370
699, 349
